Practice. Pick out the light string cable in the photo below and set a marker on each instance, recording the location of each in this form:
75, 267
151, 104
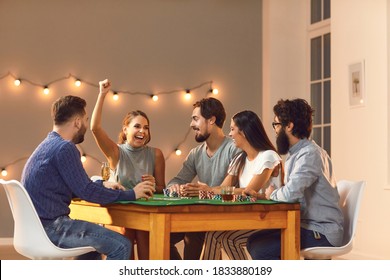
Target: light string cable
78, 81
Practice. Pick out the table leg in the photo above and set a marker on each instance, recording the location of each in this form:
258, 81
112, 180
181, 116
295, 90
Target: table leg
159, 236
291, 237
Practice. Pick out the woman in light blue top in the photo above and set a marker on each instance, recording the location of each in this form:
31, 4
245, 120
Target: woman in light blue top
132, 162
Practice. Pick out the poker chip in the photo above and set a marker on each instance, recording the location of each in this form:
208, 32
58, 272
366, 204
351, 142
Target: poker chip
202, 194
166, 192
209, 194
173, 194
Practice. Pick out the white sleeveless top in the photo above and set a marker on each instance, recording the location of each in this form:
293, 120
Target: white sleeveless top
265, 159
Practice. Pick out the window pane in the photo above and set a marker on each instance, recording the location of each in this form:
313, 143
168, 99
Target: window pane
327, 102
316, 102
315, 59
317, 135
326, 9
327, 55
326, 144
315, 11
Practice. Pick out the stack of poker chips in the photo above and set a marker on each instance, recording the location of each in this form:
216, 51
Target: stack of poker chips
169, 193
166, 192
206, 194
202, 194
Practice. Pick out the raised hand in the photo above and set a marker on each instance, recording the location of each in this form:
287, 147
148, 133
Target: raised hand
104, 86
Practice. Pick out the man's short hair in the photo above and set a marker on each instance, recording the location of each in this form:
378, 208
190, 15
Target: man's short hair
210, 107
66, 107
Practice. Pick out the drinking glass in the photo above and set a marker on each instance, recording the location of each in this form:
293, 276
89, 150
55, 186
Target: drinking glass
227, 193
105, 171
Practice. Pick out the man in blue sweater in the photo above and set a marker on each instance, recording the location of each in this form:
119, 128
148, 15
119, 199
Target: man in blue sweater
54, 174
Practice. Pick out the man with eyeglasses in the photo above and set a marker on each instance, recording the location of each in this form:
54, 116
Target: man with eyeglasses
309, 180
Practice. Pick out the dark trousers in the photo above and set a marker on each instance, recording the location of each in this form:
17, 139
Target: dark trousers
265, 244
193, 245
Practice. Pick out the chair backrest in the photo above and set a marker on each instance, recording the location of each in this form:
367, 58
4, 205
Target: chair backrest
351, 194
30, 238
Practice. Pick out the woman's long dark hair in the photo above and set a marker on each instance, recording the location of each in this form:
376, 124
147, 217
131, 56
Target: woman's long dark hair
251, 126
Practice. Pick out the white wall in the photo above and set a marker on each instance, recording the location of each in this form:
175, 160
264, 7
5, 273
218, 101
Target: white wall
141, 45
284, 54
360, 136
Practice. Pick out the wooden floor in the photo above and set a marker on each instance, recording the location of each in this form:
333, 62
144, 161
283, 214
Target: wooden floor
7, 252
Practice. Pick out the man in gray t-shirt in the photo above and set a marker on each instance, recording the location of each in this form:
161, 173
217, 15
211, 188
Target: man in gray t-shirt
208, 161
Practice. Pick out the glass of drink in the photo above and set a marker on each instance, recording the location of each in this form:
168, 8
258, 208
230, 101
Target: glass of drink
227, 193
105, 171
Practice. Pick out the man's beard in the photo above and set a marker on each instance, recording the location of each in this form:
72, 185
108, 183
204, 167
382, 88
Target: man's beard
79, 137
282, 142
202, 137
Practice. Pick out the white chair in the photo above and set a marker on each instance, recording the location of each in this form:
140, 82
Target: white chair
30, 239
351, 194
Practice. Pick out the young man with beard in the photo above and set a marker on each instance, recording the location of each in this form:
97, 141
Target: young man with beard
209, 162
309, 180
54, 174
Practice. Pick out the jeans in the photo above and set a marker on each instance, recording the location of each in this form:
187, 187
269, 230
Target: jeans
265, 244
67, 233
193, 245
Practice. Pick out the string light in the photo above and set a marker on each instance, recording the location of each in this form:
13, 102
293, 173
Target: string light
46, 90
17, 82
4, 172
77, 83
188, 94
83, 158
115, 96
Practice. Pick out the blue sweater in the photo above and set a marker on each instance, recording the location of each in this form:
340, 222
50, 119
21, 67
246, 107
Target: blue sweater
54, 174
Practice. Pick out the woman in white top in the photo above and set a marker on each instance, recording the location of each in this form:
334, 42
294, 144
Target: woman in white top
252, 170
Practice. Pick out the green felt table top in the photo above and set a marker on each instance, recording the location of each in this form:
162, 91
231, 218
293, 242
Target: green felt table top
160, 200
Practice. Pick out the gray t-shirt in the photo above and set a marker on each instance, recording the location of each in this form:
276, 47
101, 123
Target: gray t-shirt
133, 163
209, 170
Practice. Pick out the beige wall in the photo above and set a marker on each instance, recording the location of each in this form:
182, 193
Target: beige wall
189, 42
360, 136
141, 45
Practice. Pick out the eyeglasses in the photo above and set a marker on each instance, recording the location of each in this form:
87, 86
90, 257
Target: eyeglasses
275, 124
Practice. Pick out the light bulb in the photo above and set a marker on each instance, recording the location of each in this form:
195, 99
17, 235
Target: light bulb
178, 152
17, 82
115, 96
77, 83
4, 172
215, 91
188, 94
155, 97
83, 158
46, 90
